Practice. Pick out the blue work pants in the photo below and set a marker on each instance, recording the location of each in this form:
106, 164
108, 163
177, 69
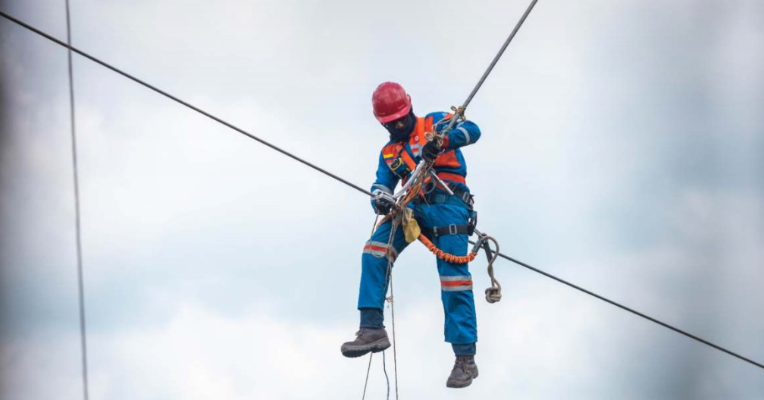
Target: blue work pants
456, 282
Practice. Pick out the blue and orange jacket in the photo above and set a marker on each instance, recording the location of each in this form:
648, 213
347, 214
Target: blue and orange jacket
398, 159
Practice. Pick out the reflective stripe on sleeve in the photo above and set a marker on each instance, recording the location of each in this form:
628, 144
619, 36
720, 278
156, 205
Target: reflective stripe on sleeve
466, 135
383, 188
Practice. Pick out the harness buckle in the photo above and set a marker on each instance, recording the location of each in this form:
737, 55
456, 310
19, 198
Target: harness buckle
467, 197
452, 229
472, 223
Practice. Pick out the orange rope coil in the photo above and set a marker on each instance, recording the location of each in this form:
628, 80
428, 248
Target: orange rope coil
445, 256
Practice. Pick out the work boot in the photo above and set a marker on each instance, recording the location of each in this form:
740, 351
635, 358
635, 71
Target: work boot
463, 373
367, 340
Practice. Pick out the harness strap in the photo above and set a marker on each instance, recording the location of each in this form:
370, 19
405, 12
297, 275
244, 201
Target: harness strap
452, 229
438, 197
449, 176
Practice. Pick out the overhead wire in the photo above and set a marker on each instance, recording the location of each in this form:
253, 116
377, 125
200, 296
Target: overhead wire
77, 219
356, 187
500, 53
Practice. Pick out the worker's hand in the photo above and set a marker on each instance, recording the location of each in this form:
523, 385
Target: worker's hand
431, 150
383, 202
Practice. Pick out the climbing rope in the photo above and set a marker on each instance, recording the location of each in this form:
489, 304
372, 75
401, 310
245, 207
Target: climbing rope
384, 369
387, 378
391, 299
493, 293
366, 382
394, 218
371, 355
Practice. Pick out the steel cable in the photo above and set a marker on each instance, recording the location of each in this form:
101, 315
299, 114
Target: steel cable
499, 54
625, 308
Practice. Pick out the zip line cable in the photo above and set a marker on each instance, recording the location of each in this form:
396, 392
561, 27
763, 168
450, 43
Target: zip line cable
77, 224
651, 319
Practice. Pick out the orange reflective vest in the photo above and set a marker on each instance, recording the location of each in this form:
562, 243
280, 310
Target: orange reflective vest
403, 157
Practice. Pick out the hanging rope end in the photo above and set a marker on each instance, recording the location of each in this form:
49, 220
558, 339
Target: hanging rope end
493, 295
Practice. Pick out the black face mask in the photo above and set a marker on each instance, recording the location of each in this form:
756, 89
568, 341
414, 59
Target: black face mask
399, 135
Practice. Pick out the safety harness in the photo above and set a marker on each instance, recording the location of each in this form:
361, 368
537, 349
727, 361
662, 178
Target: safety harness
422, 189
459, 197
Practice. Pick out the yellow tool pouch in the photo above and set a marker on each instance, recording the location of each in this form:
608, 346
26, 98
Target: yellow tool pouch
411, 228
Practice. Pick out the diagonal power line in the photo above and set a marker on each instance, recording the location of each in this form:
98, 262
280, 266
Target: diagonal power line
625, 308
356, 187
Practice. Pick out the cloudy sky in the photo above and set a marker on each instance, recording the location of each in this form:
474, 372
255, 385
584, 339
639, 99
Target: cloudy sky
622, 150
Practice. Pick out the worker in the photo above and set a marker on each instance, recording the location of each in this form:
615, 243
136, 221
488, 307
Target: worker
443, 218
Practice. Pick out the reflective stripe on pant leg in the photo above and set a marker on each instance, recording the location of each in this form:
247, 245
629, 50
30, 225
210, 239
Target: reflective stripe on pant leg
380, 249
374, 262
458, 301
456, 282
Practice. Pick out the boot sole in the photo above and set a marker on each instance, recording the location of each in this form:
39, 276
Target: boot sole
374, 347
454, 384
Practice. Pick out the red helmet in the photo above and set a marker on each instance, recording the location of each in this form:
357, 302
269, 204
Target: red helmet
390, 102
